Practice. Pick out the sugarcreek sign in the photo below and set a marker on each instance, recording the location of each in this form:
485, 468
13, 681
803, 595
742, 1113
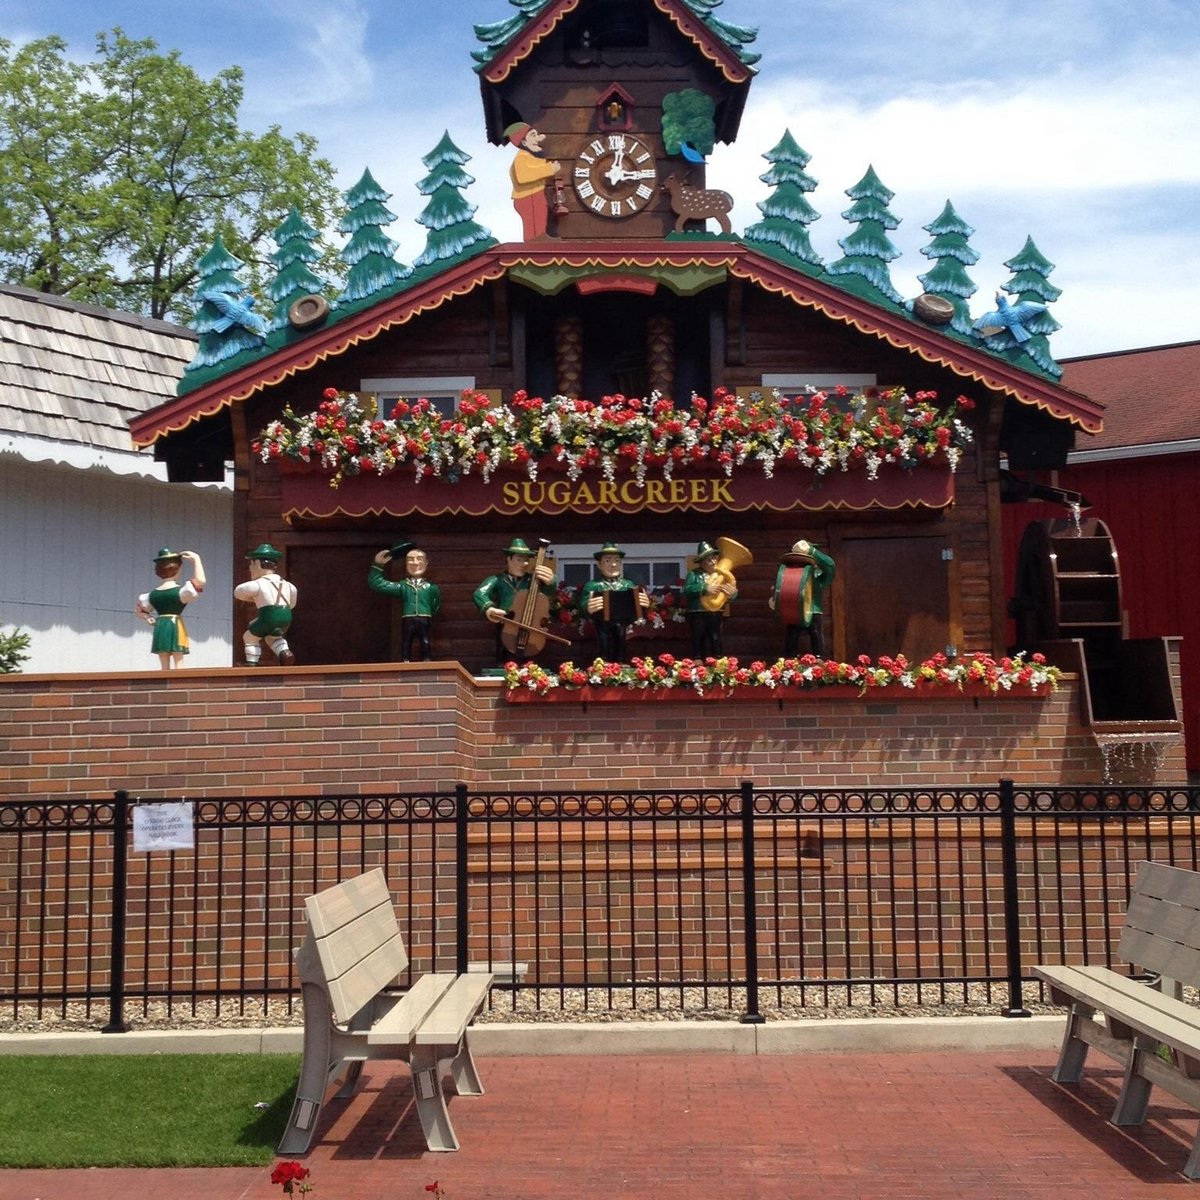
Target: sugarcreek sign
307, 494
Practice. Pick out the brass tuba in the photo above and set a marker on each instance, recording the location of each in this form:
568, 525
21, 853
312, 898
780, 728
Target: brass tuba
734, 556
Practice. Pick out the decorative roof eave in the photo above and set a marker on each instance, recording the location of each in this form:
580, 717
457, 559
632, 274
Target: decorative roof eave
906, 334
301, 356
896, 328
540, 27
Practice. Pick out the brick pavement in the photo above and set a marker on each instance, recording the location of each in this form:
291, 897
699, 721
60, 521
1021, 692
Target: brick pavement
927, 1126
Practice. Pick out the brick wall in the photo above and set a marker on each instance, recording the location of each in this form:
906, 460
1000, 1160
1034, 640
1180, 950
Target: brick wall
405, 727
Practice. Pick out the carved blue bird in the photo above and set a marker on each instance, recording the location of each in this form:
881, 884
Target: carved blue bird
690, 153
235, 312
1010, 317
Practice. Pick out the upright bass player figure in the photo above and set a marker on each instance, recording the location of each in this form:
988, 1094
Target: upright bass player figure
518, 602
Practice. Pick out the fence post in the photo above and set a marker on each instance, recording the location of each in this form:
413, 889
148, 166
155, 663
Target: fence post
1012, 915
116, 959
460, 878
749, 907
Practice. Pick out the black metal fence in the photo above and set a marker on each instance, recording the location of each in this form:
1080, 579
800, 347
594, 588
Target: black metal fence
746, 901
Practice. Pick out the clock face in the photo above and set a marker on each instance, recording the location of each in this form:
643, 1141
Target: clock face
615, 175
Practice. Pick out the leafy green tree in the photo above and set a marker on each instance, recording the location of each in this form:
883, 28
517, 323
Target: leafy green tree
952, 255
13, 647
868, 250
119, 172
447, 216
786, 212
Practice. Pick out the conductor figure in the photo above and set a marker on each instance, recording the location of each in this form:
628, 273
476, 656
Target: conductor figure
804, 574
420, 600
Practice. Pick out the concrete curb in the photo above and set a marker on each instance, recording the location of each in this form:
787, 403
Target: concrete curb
889, 1035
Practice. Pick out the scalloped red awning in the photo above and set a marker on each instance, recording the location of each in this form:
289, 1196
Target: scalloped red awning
307, 494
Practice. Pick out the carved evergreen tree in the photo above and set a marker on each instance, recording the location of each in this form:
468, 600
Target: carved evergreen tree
868, 250
786, 212
447, 216
952, 255
1029, 282
221, 336
296, 241
369, 254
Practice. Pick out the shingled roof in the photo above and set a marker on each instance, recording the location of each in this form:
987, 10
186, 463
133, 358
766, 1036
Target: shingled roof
1151, 395
77, 373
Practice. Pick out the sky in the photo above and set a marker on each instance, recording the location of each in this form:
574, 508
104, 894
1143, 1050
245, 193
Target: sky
1074, 121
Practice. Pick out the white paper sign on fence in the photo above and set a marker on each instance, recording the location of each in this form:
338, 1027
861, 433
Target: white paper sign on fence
164, 826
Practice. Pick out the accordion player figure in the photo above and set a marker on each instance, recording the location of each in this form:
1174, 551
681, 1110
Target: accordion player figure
804, 574
612, 603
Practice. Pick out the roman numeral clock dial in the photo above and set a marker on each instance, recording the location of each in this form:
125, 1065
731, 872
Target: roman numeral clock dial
615, 175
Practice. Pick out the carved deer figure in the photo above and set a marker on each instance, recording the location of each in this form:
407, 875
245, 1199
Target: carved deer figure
692, 203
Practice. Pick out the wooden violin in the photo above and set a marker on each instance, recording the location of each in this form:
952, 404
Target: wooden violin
523, 632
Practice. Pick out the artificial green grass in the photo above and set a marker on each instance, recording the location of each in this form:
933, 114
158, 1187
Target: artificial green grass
162, 1110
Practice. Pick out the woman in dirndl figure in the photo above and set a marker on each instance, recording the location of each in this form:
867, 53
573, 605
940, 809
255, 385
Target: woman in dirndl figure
163, 606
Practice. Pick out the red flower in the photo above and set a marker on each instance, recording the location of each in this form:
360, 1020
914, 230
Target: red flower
330, 393
288, 1174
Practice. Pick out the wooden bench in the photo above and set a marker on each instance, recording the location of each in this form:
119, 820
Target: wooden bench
1147, 1027
351, 956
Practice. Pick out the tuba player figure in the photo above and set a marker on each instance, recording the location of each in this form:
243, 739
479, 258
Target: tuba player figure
703, 585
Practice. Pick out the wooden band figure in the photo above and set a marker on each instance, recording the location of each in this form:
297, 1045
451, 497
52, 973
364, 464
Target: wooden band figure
518, 602
420, 600
798, 597
612, 603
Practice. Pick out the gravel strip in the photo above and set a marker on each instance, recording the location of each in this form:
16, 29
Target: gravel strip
599, 1005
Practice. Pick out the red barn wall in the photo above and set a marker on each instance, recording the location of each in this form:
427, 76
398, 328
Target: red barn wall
1150, 508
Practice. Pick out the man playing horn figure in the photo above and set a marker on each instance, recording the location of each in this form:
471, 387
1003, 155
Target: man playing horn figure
804, 574
612, 603
704, 580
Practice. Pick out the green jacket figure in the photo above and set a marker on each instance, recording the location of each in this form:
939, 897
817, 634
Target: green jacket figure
800, 584
497, 596
420, 600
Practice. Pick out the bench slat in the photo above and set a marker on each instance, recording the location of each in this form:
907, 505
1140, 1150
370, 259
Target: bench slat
366, 979
1161, 955
329, 910
1140, 1007
1175, 884
348, 946
397, 1026
449, 1019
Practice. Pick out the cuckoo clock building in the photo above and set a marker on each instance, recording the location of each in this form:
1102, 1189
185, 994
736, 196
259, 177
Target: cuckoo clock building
645, 367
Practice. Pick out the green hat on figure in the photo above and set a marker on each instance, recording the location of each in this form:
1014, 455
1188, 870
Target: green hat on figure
402, 547
166, 554
608, 548
265, 551
704, 550
518, 546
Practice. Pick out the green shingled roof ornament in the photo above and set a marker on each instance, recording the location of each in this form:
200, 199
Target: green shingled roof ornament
223, 319
496, 35
447, 216
296, 242
952, 255
868, 250
369, 253
786, 213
